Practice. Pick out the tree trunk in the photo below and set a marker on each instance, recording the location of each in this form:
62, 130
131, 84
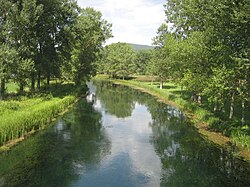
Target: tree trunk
242, 112
33, 82
2, 89
78, 80
38, 80
232, 106
48, 78
223, 108
161, 84
199, 99
216, 106
21, 88
194, 97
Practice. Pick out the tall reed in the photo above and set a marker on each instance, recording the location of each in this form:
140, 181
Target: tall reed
18, 123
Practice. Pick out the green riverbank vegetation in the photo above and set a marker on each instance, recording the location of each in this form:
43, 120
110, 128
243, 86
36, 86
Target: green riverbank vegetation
201, 63
43, 44
22, 114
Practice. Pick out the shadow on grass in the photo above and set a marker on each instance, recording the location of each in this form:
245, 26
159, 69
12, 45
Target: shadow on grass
167, 87
62, 90
59, 90
183, 94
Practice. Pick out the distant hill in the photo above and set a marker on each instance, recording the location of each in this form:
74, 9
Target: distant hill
139, 47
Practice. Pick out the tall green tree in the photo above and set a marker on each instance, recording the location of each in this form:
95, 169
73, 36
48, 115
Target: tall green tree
226, 27
119, 59
24, 15
160, 64
54, 31
142, 61
8, 53
90, 33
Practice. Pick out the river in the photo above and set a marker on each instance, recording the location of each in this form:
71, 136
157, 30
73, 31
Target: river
120, 137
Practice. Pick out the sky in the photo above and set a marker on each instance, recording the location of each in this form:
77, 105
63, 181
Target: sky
133, 21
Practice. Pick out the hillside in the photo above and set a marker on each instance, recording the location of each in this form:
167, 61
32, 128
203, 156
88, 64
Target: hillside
139, 47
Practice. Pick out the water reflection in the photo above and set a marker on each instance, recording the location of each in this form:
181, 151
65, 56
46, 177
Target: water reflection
117, 101
120, 137
59, 155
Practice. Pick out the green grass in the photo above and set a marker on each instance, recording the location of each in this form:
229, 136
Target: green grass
18, 123
198, 113
20, 115
241, 138
12, 87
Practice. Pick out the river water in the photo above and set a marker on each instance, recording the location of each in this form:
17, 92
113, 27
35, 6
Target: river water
119, 137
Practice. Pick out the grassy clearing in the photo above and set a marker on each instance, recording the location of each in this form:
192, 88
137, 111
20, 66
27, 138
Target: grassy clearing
203, 119
21, 115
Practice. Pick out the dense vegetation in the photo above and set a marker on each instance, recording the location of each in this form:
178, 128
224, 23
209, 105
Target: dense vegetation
44, 39
206, 52
33, 111
41, 40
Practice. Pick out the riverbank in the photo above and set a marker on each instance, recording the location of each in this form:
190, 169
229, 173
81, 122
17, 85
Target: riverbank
25, 115
201, 118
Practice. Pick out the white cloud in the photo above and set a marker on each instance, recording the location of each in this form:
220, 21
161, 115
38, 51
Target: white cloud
134, 21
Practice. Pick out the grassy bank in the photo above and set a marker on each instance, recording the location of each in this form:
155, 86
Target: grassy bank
21, 115
202, 118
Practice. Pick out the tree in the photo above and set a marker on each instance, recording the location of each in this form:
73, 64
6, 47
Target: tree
142, 61
159, 64
23, 20
54, 36
8, 56
119, 59
7, 51
90, 32
196, 64
222, 29
160, 40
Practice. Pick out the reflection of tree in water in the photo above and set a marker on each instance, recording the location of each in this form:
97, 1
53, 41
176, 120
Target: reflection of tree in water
59, 155
118, 100
188, 160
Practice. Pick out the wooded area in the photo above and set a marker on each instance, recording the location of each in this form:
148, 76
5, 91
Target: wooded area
44, 39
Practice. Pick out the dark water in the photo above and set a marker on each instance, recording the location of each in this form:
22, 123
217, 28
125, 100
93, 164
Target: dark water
120, 137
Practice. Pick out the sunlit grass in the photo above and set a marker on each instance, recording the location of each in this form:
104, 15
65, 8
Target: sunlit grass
16, 122
12, 87
21, 114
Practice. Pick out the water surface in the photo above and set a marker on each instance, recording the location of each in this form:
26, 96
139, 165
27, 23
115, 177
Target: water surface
120, 137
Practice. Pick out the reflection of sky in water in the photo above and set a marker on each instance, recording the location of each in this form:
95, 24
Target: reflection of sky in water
132, 157
125, 151
118, 171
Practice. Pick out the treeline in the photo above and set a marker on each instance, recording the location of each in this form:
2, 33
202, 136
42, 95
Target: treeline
206, 51
44, 39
